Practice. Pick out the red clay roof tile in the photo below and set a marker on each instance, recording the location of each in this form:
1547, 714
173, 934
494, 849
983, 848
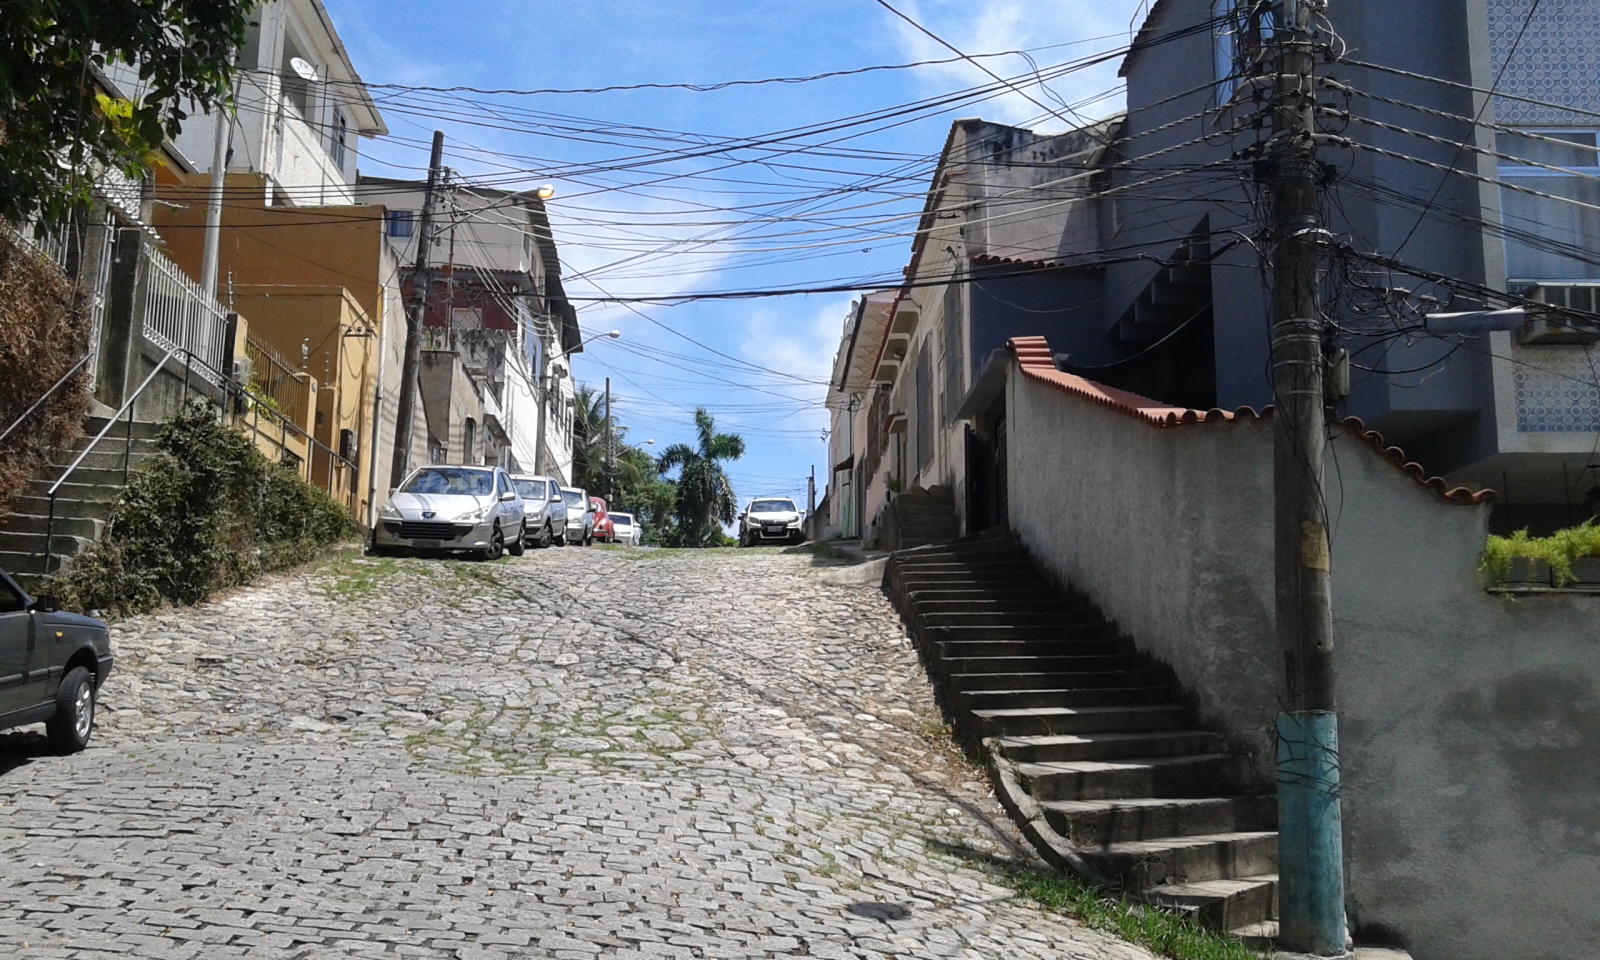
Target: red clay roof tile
1037, 363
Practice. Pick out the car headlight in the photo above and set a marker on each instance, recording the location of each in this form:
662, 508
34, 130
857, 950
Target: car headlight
795, 522
473, 516
389, 511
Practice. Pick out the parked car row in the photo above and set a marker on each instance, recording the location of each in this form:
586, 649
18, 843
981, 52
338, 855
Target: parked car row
487, 511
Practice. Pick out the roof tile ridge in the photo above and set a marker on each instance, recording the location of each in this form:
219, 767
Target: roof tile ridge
1460, 494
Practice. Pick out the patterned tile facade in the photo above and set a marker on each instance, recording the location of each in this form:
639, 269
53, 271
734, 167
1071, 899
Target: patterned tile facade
1558, 59
1556, 389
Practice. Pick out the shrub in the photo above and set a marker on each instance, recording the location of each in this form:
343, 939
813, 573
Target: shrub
209, 512
43, 332
1559, 550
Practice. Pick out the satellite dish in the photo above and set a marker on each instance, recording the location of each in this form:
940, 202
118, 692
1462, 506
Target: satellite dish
304, 69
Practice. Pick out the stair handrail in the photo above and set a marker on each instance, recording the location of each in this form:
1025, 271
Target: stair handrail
127, 407
45, 396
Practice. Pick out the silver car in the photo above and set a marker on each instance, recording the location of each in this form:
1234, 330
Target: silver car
545, 510
453, 509
580, 516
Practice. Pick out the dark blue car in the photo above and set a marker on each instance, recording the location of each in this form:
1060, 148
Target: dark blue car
52, 664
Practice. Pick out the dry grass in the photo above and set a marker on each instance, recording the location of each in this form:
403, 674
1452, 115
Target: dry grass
43, 332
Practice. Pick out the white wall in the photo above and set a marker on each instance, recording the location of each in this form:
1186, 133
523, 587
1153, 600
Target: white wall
1469, 723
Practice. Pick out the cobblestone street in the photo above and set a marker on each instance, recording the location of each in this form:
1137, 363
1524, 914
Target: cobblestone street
578, 753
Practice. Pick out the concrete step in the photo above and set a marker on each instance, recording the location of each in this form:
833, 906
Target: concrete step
935, 563
922, 541
1263, 936
28, 565
87, 527
1017, 640
83, 476
999, 593
1194, 775
1005, 618
1092, 823
142, 429
924, 606
983, 700
29, 544
107, 457
1102, 718
977, 685
1223, 904
1144, 864
76, 489
1109, 746
66, 506
1048, 663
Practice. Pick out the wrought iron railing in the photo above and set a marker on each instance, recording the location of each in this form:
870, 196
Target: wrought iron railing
280, 385
180, 315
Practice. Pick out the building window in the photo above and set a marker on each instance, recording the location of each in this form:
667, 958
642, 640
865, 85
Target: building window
399, 222
337, 139
954, 355
1225, 46
924, 389
1548, 239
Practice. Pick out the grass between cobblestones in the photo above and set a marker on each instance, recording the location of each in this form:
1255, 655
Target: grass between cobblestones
1165, 932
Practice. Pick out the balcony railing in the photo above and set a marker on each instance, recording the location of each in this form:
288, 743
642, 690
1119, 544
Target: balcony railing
179, 315
273, 379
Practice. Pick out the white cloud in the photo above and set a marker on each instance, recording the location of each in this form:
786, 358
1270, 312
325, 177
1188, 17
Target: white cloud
991, 26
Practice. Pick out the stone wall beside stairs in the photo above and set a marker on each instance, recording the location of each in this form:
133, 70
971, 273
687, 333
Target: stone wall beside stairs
1470, 724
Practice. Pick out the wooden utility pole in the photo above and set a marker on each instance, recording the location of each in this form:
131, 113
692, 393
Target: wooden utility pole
421, 280
1310, 858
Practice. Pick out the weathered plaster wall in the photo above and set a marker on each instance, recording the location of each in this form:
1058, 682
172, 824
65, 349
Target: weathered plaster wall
1470, 724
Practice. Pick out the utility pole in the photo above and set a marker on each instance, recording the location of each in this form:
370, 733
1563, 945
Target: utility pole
421, 280
1310, 844
543, 388
221, 142
811, 493
610, 461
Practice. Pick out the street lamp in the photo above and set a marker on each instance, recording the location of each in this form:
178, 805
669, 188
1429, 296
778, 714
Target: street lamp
613, 334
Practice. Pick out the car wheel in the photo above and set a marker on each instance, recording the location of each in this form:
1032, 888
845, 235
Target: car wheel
497, 545
545, 536
517, 546
69, 729
588, 538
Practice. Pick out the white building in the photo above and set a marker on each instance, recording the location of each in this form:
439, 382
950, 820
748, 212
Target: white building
498, 311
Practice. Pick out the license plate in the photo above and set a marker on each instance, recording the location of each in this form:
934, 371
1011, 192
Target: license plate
427, 544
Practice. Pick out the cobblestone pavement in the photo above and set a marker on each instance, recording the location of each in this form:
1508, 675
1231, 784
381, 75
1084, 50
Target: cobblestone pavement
578, 753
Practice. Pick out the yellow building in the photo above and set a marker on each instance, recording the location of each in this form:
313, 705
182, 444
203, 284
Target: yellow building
319, 290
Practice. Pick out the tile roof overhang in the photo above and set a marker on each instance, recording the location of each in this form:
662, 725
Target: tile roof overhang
1036, 362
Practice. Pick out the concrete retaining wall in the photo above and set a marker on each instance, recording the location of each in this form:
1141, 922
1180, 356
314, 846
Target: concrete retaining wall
1470, 723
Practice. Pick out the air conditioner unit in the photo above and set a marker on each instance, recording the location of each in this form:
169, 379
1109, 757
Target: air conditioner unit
1559, 328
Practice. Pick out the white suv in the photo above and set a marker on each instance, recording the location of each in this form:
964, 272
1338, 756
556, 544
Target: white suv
770, 520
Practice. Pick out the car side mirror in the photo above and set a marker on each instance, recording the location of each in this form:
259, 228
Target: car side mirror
47, 603
508, 496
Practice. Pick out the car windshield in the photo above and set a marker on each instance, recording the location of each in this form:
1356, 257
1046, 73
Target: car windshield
574, 498
622, 518
773, 506
457, 481
530, 489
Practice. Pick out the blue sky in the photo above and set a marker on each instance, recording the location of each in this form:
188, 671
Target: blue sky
682, 227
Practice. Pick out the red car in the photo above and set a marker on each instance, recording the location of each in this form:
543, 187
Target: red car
604, 530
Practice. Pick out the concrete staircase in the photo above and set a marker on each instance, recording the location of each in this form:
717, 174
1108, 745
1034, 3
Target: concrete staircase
1090, 752
921, 517
83, 504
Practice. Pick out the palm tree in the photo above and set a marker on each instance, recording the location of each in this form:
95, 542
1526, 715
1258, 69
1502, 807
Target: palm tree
589, 439
705, 495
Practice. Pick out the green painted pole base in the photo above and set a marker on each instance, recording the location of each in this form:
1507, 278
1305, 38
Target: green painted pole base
1310, 838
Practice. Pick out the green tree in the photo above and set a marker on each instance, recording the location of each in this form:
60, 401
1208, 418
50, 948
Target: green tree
705, 498
589, 440
52, 111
